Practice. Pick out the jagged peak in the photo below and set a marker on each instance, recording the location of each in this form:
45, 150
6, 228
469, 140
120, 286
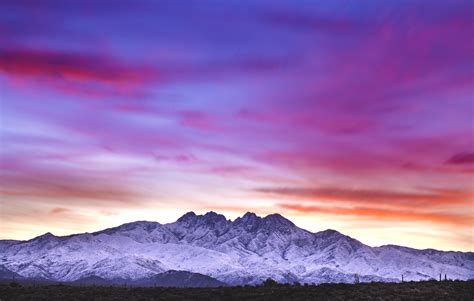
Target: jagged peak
188, 216
278, 219
271, 221
250, 216
214, 217
209, 217
213, 214
248, 213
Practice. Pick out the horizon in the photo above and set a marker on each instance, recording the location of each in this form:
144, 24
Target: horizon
337, 115
232, 220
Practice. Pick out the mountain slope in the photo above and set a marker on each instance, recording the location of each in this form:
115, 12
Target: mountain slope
246, 250
7, 274
179, 279
169, 278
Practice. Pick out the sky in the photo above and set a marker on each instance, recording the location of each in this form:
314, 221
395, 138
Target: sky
351, 115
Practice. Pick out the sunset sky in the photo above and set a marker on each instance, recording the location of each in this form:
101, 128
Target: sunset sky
351, 115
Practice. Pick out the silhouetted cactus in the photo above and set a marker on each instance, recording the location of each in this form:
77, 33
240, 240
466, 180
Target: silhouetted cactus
270, 282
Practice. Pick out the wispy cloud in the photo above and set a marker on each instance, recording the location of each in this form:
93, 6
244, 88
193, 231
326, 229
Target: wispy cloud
462, 158
377, 214
75, 72
370, 196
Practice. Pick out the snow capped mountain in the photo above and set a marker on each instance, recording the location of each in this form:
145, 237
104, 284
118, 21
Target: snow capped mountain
246, 250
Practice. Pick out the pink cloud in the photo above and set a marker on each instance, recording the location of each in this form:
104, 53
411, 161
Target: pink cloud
74, 73
58, 210
377, 214
425, 199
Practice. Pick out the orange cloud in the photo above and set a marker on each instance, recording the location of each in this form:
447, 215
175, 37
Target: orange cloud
429, 197
52, 186
385, 214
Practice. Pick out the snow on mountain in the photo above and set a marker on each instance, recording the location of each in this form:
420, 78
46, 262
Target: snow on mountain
249, 249
7, 274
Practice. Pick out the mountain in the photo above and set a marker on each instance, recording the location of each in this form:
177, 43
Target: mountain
169, 278
7, 274
179, 279
247, 250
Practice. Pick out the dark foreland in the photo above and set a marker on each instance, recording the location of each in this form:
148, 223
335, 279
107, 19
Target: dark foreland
269, 290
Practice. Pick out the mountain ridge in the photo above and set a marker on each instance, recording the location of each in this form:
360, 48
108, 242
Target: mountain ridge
247, 250
198, 215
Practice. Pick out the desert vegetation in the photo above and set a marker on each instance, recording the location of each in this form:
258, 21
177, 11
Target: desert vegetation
269, 290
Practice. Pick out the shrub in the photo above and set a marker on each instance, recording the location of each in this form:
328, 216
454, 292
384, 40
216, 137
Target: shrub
14, 284
270, 282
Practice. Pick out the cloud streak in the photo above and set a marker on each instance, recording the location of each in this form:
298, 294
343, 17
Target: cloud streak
75, 73
376, 214
462, 158
368, 196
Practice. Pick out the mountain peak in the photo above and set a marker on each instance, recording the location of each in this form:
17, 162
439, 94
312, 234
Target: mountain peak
45, 236
328, 232
250, 216
210, 217
276, 218
213, 217
249, 221
212, 214
187, 217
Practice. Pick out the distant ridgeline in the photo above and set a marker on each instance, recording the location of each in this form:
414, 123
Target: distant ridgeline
209, 250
